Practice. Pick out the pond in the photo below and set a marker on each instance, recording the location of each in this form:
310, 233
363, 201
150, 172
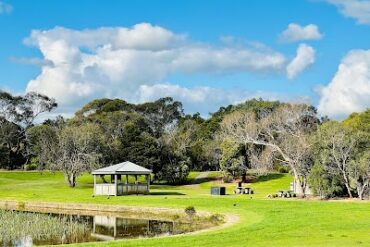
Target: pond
30, 228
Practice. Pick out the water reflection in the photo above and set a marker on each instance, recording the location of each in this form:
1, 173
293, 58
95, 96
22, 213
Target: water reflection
111, 228
99, 228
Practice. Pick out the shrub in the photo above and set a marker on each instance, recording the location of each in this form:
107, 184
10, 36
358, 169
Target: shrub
323, 183
227, 178
176, 173
250, 179
216, 218
30, 167
190, 211
21, 205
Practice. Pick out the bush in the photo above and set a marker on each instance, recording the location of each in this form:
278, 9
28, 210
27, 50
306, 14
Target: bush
251, 179
190, 211
174, 174
323, 183
30, 167
227, 178
216, 218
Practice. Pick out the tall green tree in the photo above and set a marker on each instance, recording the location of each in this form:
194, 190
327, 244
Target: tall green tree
17, 114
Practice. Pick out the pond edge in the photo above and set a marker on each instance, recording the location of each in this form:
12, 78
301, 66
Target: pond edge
115, 210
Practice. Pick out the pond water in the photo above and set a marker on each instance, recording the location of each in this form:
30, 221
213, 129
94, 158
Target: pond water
29, 229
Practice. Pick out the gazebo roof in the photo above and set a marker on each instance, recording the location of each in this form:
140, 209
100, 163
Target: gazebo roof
126, 167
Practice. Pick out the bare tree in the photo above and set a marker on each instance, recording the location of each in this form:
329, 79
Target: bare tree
77, 150
285, 132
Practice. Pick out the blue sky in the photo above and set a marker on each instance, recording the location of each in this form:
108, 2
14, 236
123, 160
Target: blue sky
252, 26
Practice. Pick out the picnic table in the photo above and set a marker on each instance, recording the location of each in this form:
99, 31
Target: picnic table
286, 193
243, 190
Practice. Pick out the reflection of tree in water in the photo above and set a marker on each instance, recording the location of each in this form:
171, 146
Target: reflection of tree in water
160, 227
107, 227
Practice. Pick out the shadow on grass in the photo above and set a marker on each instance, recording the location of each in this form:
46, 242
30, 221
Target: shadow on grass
270, 177
166, 193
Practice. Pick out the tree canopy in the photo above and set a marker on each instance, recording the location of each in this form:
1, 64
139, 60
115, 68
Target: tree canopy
331, 158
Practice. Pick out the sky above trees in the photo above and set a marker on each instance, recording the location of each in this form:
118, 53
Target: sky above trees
203, 53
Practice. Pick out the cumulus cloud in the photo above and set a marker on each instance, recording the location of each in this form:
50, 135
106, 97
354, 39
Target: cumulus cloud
357, 9
295, 33
31, 61
115, 62
206, 99
304, 58
133, 63
5, 7
349, 90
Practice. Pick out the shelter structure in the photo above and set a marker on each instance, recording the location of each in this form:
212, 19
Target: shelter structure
125, 178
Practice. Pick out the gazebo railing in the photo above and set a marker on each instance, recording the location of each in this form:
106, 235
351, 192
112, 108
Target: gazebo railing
122, 189
132, 188
105, 189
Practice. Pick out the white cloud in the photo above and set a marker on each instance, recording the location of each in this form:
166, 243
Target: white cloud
133, 63
357, 9
205, 99
115, 62
31, 61
304, 58
349, 90
5, 7
295, 33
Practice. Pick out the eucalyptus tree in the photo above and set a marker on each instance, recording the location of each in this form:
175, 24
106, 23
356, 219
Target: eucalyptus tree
17, 114
284, 131
337, 149
161, 113
359, 171
176, 143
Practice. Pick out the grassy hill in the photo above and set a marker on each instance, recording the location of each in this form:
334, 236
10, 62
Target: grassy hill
263, 222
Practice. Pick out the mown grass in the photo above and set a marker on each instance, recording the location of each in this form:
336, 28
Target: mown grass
262, 222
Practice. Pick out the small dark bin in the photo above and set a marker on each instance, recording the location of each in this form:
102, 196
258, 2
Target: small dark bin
218, 191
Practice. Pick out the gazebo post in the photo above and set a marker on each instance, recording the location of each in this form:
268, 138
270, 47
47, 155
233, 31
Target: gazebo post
94, 185
127, 184
148, 182
137, 186
115, 184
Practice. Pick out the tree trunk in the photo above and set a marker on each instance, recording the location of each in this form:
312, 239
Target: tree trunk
71, 178
346, 183
244, 177
361, 190
297, 182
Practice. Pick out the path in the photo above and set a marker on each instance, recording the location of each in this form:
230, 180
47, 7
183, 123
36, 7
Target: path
200, 178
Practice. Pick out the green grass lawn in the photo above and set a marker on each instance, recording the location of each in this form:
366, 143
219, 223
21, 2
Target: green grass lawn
263, 222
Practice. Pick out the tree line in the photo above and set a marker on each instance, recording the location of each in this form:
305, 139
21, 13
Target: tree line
330, 158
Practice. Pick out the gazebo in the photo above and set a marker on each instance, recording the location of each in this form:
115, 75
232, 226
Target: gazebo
119, 183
